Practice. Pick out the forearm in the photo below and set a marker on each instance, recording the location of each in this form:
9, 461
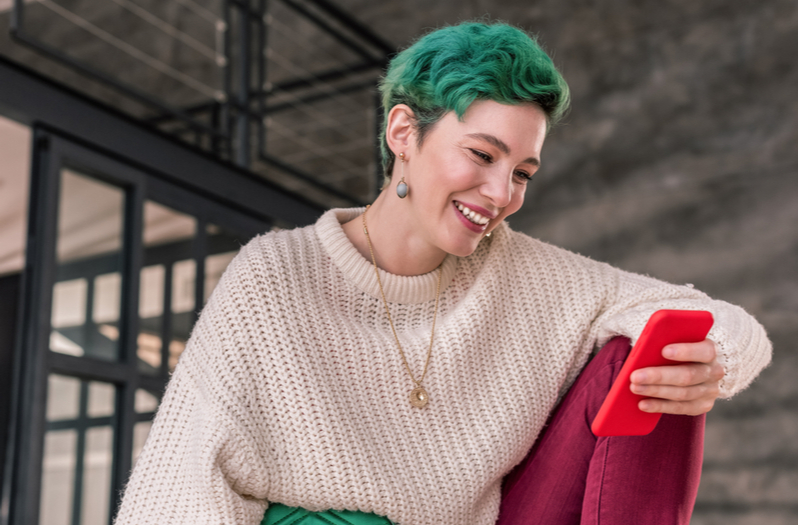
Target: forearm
743, 347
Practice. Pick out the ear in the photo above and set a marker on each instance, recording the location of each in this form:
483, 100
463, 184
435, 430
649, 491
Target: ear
400, 129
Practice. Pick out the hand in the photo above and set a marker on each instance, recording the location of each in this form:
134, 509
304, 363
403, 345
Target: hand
689, 388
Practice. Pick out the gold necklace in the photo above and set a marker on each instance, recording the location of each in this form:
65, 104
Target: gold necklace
418, 396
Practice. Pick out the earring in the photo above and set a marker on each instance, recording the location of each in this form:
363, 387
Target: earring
402, 187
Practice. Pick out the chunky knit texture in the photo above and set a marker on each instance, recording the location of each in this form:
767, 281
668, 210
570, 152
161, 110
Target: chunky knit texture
291, 388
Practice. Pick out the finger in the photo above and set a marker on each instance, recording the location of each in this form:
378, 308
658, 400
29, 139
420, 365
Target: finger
677, 375
717, 370
702, 352
686, 408
678, 393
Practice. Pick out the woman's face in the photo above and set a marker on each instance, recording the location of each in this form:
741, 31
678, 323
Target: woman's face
480, 165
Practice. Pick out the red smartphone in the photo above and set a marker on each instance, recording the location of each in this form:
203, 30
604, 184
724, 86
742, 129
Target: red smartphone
620, 415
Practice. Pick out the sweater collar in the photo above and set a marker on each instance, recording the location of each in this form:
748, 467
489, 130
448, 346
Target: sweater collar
358, 270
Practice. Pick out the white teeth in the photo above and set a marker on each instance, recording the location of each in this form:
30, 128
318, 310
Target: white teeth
473, 216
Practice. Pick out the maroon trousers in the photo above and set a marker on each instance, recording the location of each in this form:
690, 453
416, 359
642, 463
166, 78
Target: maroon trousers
570, 476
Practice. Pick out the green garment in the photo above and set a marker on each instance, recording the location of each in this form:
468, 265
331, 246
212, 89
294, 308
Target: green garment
278, 514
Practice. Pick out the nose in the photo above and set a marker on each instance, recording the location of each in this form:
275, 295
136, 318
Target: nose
498, 187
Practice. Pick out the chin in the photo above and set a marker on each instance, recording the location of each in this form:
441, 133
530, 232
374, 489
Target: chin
464, 249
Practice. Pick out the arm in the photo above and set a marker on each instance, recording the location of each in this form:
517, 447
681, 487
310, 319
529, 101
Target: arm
200, 464
736, 350
182, 475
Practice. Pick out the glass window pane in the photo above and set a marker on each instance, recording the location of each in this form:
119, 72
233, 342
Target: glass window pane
151, 309
167, 240
15, 150
63, 397
86, 295
97, 476
69, 303
184, 274
151, 296
78, 455
223, 245
106, 298
58, 477
145, 405
183, 277
140, 433
145, 402
166, 226
215, 267
101, 399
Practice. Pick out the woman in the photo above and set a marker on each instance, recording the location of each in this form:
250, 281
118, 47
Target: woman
398, 361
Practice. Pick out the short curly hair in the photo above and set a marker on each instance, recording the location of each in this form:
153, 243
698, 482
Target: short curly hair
450, 68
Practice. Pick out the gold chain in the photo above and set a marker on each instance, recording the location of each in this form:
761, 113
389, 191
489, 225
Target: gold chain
419, 397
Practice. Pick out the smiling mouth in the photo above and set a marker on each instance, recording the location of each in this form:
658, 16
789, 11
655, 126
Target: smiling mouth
471, 215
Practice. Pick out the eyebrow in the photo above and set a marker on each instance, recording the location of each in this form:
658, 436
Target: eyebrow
502, 146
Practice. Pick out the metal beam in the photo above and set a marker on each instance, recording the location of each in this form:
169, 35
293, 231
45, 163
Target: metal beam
356, 86
325, 76
278, 163
243, 95
287, 85
29, 97
335, 33
131, 91
354, 25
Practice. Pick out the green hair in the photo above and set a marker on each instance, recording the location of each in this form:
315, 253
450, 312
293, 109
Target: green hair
450, 68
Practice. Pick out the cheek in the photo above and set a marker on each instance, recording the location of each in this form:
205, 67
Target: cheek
457, 173
513, 207
516, 201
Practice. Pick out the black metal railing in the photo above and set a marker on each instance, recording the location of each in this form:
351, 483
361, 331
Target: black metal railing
284, 88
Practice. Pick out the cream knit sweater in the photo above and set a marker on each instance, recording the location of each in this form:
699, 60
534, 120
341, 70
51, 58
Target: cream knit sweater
292, 390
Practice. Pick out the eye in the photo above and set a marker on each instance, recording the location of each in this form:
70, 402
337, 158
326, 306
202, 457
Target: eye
523, 175
481, 155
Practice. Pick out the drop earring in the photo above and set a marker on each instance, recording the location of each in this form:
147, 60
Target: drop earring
402, 187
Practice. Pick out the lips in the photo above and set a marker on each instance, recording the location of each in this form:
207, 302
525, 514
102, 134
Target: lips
472, 216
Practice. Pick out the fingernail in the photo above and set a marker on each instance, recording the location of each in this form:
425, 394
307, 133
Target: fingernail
637, 389
669, 352
638, 377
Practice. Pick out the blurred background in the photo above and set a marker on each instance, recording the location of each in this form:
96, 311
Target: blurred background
152, 138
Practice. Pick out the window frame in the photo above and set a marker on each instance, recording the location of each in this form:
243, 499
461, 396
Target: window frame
33, 359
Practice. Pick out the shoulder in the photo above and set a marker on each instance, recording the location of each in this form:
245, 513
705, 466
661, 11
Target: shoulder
274, 250
520, 249
285, 250
266, 265
526, 265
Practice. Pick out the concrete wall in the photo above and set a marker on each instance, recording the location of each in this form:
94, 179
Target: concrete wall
678, 160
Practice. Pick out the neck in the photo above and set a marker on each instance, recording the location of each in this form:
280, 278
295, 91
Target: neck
397, 242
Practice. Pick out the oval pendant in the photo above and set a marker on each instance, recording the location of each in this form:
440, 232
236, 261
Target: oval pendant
402, 189
418, 397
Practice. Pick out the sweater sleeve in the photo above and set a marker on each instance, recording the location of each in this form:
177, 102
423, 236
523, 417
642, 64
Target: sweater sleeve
200, 464
742, 344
